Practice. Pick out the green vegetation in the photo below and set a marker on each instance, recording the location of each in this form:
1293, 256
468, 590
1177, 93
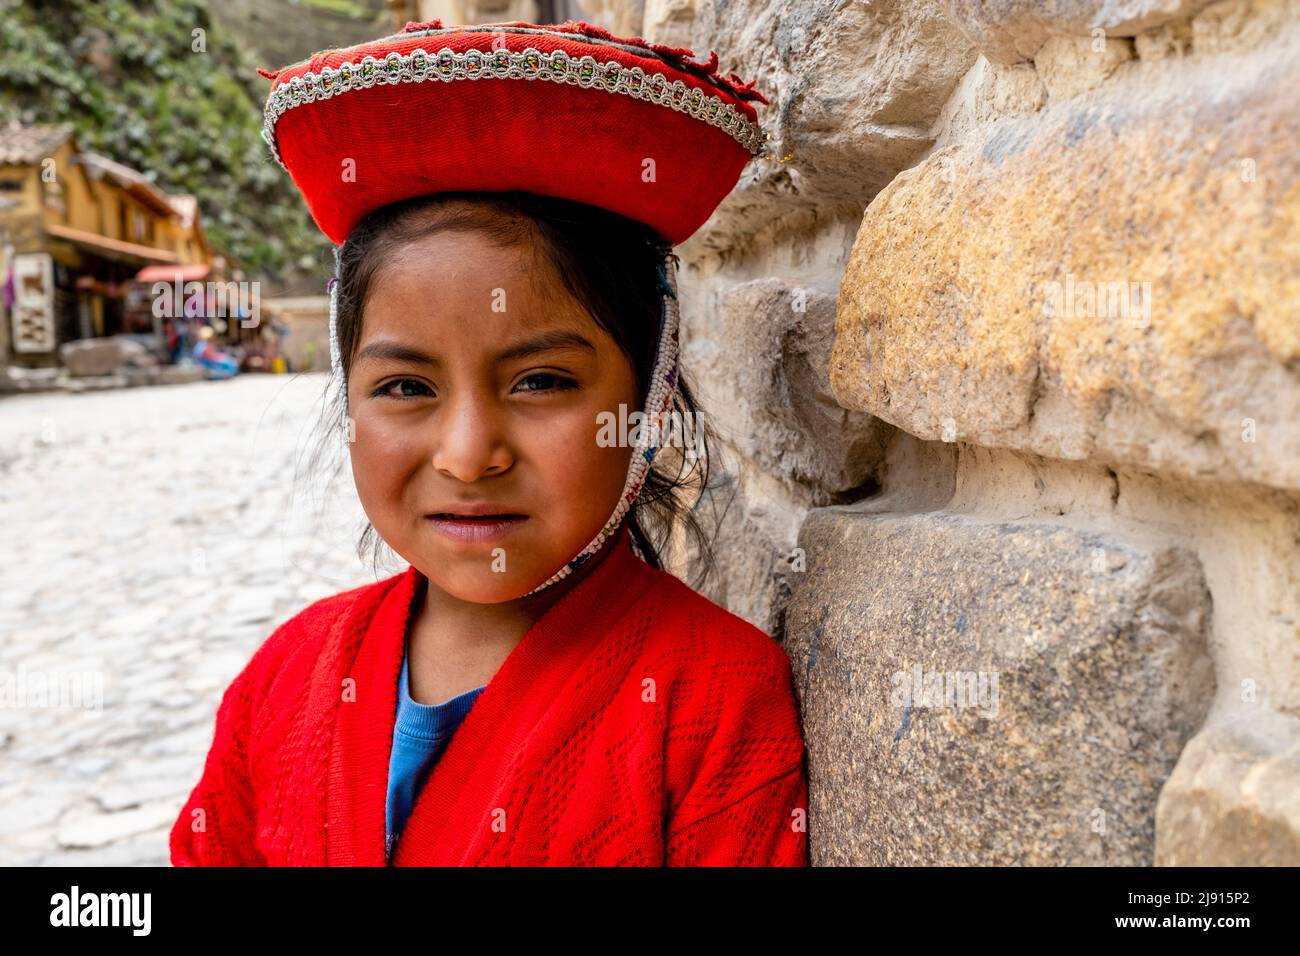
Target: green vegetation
142, 85
346, 8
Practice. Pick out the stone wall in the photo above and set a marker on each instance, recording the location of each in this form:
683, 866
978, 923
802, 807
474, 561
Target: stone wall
1003, 341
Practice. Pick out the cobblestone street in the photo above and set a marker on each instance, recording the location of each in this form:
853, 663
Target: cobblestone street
153, 537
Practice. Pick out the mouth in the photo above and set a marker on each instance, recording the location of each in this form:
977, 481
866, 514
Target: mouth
448, 516
475, 529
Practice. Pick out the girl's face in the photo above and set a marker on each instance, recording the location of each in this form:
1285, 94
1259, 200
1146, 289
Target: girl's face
477, 380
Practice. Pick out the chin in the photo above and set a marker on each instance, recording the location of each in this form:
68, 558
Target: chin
486, 587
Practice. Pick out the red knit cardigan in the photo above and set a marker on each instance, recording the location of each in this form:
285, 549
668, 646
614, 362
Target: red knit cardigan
636, 723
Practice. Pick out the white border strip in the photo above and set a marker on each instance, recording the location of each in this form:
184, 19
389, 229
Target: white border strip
530, 64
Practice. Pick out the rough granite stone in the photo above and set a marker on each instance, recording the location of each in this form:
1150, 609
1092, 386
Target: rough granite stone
1007, 31
1234, 798
763, 374
1087, 667
853, 88
1114, 278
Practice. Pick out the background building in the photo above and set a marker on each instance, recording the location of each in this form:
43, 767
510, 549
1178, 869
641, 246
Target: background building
76, 229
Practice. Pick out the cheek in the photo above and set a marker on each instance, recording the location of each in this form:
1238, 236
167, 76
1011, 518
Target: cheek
383, 456
581, 476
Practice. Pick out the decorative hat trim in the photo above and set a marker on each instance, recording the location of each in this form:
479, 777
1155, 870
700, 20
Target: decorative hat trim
530, 64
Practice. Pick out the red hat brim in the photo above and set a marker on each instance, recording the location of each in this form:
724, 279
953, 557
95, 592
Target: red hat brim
659, 141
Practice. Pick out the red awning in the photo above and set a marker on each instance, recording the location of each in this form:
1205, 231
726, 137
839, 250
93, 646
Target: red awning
172, 273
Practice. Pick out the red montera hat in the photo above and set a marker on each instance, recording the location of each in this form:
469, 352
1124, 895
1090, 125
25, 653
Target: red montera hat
637, 128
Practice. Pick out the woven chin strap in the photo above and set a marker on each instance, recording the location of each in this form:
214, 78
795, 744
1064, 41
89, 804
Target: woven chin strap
663, 386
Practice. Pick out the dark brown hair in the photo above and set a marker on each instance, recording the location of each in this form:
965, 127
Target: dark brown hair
609, 263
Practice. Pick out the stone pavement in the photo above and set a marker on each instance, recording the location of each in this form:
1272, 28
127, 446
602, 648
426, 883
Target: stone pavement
152, 538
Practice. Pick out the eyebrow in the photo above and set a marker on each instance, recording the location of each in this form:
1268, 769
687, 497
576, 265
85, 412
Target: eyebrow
546, 342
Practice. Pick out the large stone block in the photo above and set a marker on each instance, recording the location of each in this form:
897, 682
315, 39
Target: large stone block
854, 90
1234, 798
1060, 674
762, 367
1007, 31
1115, 278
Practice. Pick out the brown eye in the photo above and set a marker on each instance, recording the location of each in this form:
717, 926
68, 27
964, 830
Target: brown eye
386, 390
549, 382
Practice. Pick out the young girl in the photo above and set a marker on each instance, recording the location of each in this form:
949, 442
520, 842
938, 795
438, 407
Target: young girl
533, 689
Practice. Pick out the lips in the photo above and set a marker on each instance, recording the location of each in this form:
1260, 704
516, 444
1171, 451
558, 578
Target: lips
466, 517
474, 509
476, 525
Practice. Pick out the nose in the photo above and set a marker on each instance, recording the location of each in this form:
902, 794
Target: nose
470, 441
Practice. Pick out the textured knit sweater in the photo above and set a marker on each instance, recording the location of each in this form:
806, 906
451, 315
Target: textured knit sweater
420, 735
636, 723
